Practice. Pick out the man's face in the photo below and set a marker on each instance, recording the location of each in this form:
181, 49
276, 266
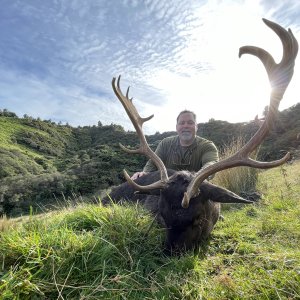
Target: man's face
186, 128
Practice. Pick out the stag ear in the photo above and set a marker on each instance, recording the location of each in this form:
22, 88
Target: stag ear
218, 194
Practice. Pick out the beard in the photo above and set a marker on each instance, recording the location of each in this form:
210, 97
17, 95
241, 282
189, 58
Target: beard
186, 136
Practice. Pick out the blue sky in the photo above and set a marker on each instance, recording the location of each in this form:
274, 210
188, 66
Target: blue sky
58, 57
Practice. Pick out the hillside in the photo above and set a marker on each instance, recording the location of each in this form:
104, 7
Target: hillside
43, 162
95, 252
284, 136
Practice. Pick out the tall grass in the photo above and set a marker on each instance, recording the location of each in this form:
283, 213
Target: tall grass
95, 252
241, 180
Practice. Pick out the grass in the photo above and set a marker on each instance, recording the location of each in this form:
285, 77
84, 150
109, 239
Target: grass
94, 252
240, 180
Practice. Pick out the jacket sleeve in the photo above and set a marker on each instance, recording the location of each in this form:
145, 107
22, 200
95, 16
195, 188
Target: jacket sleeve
150, 166
210, 155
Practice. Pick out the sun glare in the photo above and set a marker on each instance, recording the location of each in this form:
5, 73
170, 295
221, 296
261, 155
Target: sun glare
222, 86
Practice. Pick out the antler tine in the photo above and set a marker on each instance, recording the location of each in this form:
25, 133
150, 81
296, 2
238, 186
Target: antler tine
280, 76
144, 148
127, 94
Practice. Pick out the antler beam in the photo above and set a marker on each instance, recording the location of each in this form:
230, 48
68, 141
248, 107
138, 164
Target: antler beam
280, 76
144, 148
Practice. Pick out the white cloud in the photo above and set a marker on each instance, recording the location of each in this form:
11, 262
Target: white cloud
58, 59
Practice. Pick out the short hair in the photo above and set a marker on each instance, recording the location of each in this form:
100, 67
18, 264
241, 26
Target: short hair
187, 112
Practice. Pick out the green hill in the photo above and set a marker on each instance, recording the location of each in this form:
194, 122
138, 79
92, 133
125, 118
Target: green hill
43, 162
31, 146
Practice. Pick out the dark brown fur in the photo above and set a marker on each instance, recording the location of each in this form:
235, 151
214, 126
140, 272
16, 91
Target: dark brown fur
186, 227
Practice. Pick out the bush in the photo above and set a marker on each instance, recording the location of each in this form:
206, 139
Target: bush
19, 193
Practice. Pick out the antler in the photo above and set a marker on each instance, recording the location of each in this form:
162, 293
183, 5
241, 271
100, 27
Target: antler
280, 76
144, 148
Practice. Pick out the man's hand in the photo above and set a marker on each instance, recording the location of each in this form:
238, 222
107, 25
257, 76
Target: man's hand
138, 174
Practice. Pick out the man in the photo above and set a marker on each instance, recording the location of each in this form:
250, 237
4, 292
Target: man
185, 151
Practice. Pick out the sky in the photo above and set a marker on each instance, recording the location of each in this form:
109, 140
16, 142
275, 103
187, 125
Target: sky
58, 57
